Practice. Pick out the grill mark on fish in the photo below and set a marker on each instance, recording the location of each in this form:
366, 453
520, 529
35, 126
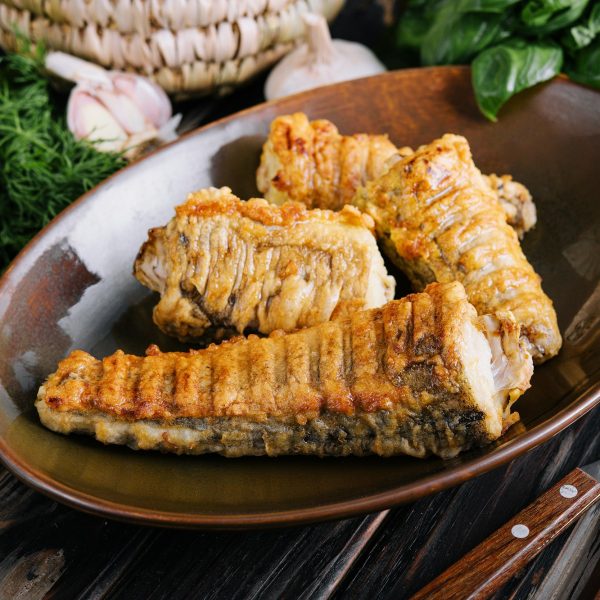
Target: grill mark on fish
395, 328
409, 213
204, 254
380, 347
381, 387
211, 393
348, 359
315, 356
241, 263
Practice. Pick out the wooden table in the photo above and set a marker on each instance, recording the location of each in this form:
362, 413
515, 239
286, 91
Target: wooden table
49, 550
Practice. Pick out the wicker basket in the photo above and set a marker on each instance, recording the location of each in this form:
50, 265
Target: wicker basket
187, 46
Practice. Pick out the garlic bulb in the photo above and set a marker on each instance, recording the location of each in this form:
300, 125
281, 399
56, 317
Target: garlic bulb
320, 61
117, 112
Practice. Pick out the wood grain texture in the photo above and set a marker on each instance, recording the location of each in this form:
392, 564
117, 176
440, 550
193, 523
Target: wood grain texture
388, 555
490, 565
422, 540
61, 553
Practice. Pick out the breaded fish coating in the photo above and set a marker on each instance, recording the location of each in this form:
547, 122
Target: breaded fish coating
311, 162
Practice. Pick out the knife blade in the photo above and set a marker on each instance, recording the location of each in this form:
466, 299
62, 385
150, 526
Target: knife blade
486, 568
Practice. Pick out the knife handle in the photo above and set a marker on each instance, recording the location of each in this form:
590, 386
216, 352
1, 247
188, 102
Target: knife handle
486, 568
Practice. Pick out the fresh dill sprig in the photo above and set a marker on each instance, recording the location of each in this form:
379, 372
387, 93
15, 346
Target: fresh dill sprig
43, 168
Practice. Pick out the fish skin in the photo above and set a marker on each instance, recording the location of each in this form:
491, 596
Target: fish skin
391, 380
438, 221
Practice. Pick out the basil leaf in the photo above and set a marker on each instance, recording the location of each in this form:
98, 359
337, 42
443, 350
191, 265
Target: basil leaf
429, 7
416, 21
580, 36
412, 28
500, 72
586, 68
457, 38
452, 31
483, 6
545, 16
487, 6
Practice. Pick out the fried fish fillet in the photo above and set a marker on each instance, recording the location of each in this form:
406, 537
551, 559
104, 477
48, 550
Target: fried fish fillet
311, 162
222, 262
420, 375
438, 221
515, 200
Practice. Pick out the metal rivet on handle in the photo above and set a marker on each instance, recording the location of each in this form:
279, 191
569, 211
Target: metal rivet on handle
568, 491
520, 531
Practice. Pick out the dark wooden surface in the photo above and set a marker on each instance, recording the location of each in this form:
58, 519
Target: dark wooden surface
489, 566
50, 551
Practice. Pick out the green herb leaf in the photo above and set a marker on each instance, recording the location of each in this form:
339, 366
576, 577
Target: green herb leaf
542, 17
418, 3
457, 38
586, 67
482, 6
580, 36
43, 167
412, 28
502, 71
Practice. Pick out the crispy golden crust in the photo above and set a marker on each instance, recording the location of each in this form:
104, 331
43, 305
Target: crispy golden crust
405, 364
311, 162
221, 262
389, 380
440, 222
372, 361
213, 202
342, 366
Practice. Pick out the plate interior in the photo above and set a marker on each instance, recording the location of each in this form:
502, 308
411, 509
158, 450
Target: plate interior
73, 288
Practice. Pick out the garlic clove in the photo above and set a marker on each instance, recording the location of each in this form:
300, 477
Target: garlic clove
320, 61
77, 70
117, 111
150, 98
128, 115
88, 119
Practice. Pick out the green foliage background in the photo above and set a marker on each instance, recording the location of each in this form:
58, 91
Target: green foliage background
42, 167
511, 44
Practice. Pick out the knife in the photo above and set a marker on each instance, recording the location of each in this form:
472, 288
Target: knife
486, 568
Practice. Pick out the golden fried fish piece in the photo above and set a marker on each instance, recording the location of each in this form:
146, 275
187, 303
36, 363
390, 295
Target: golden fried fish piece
417, 376
311, 162
439, 221
222, 262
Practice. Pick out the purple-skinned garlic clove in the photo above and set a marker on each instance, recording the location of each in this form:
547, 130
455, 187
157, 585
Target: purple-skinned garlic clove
89, 119
126, 112
150, 98
117, 111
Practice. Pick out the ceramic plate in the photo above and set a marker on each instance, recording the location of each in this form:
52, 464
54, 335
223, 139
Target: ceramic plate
72, 287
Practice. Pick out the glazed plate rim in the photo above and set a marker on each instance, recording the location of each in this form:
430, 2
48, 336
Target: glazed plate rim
585, 400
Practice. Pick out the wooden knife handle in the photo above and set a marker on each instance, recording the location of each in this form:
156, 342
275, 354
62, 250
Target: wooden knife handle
486, 568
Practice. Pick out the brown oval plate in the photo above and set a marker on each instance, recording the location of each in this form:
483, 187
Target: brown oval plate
72, 288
